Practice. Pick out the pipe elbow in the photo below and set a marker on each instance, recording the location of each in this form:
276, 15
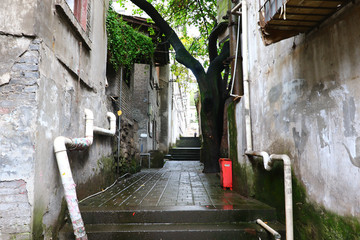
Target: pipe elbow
88, 114
264, 155
112, 119
111, 116
267, 160
284, 157
59, 144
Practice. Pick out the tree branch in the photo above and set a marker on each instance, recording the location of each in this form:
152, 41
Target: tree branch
217, 65
182, 55
212, 48
203, 16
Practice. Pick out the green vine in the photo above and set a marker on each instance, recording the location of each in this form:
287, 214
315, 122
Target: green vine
125, 44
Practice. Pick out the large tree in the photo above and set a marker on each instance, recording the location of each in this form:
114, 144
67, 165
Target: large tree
213, 82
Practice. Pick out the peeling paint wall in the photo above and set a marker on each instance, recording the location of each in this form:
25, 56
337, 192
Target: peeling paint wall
304, 102
41, 98
18, 109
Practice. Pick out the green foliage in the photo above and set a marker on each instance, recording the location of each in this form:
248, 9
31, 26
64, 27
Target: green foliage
128, 166
125, 44
185, 17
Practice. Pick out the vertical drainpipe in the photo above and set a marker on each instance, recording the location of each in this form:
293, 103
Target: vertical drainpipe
119, 115
61, 144
245, 55
67, 180
288, 193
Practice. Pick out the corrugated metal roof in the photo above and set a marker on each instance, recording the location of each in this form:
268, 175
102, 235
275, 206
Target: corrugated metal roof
281, 19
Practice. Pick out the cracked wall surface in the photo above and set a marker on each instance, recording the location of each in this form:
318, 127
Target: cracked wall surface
48, 75
18, 107
305, 103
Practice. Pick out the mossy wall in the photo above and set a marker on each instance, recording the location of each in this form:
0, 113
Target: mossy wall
310, 220
242, 174
104, 175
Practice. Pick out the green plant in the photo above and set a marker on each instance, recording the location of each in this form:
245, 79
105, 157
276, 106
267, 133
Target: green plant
126, 45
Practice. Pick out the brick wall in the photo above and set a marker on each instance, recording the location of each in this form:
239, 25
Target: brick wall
17, 120
15, 210
126, 99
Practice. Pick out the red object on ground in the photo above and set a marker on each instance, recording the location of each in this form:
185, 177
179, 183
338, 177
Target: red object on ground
226, 172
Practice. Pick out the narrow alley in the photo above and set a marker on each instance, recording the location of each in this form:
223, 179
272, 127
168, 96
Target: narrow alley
118, 118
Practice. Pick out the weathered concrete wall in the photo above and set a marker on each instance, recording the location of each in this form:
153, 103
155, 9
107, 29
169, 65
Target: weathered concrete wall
18, 110
18, 17
41, 98
146, 108
304, 102
165, 97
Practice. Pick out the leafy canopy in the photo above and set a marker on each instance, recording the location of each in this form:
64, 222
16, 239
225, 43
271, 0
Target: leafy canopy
193, 20
126, 45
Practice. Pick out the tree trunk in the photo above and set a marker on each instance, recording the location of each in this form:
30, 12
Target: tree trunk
210, 83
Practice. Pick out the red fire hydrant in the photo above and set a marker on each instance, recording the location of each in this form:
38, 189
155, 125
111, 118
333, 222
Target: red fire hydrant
226, 172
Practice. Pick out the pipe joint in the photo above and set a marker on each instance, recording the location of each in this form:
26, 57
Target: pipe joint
112, 130
60, 144
284, 157
264, 155
88, 114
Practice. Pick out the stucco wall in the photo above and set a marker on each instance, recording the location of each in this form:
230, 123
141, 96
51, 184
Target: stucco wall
18, 110
304, 102
165, 98
40, 99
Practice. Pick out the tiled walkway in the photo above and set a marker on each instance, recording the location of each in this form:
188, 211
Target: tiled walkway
178, 183
176, 202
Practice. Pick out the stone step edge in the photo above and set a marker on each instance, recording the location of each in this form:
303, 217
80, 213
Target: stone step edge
179, 227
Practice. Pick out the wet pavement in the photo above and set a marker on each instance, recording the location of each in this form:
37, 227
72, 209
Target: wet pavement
178, 183
175, 202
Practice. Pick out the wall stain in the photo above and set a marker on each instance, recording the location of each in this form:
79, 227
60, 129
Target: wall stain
349, 110
275, 93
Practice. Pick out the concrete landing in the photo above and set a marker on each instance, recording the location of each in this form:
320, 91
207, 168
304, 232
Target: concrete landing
178, 183
175, 202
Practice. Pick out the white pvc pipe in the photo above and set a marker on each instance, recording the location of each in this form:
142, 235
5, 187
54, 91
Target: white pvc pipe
245, 55
60, 147
268, 162
108, 132
264, 155
288, 193
67, 180
276, 235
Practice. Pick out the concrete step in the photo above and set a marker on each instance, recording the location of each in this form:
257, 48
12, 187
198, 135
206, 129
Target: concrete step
185, 154
175, 202
216, 231
184, 150
181, 214
185, 158
188, 142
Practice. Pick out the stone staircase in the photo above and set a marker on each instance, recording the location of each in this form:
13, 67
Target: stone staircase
187, 149
174, 223
175, 202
